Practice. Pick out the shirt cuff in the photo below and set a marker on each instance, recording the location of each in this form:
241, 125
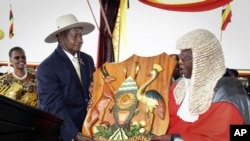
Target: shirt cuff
176, 137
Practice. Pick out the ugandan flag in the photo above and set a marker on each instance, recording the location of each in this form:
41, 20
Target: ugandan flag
119, 33
11, 29
226, 17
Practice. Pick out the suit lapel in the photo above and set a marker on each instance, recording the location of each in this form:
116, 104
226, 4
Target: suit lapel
68, 64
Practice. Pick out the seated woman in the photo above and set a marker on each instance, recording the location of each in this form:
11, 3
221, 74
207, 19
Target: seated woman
19, 85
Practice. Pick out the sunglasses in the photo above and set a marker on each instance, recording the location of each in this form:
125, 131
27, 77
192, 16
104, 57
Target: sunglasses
19, 57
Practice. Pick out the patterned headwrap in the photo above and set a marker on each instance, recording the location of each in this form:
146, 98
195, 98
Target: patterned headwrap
208, 68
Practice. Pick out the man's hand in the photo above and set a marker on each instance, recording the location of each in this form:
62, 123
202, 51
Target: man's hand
91, 88
80, 137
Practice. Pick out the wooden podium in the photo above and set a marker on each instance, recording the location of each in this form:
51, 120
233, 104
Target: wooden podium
19, 122
130, 99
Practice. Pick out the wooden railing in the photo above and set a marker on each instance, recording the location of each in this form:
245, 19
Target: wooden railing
244, 76
31, 66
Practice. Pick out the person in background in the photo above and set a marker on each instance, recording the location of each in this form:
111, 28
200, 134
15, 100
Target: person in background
64, 77
19, 85
203, 104
247, 85
231, 73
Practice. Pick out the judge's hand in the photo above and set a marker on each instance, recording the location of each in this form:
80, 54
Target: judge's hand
161, 138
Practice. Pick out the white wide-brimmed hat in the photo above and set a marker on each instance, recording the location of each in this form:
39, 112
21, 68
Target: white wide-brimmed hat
66, 22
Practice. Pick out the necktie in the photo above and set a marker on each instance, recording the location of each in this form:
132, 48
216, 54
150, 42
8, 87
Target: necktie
77, 67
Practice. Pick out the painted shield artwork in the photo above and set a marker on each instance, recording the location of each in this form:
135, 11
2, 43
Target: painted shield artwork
130, 99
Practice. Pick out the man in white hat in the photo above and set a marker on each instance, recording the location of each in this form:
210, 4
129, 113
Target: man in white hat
64, 77
204, 103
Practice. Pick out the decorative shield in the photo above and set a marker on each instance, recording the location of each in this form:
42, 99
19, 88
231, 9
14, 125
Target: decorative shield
130, 99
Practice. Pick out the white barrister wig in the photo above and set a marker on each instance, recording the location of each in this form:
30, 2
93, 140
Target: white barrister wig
208, 68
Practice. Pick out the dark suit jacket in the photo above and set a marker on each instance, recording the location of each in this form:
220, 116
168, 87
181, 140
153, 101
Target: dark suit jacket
60, 91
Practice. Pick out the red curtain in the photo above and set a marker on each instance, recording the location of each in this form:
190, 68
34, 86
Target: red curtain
105, 46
